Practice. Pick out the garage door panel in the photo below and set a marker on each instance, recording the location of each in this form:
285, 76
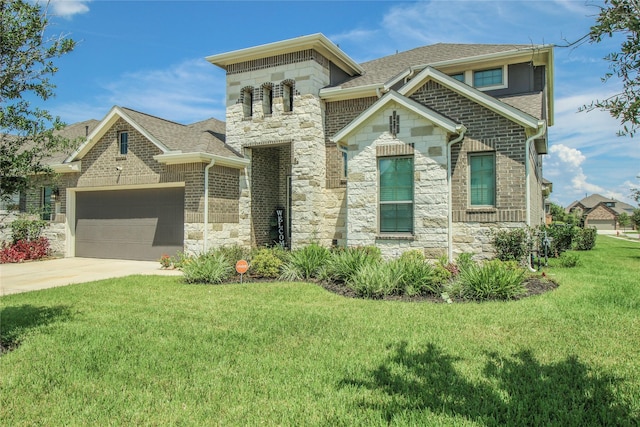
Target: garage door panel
130, 224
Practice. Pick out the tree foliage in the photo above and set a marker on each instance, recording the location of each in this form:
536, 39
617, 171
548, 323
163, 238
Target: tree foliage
621, 17
27, 133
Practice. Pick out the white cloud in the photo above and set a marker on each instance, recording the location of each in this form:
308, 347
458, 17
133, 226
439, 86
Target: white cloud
568, 155
68, 8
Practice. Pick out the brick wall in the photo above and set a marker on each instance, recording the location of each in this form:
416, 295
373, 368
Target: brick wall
486, 131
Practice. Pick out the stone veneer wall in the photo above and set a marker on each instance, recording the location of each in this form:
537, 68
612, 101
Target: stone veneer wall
427, 143
301, 129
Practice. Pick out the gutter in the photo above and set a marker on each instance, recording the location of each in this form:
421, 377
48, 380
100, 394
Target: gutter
461, 131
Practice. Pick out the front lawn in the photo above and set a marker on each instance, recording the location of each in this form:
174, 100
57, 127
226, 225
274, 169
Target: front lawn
156, 351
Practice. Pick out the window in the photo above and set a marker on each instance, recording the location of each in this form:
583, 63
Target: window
485, 78
345, 170
45, 204
247, 102
459, 77
267, 99
123, 142
482, 171
396, 194
287, 96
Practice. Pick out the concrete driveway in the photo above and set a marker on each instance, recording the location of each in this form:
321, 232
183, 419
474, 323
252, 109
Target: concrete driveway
31, 276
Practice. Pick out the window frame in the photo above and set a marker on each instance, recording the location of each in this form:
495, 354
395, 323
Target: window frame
288, 92
502, 85
410, 201
247, 102
46, 203
267, 99
491, 154
123, 148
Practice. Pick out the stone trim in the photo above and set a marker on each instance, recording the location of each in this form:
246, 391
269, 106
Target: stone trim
274, 61
271, 143
394, 150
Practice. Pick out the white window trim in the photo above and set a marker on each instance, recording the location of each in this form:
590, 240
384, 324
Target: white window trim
398, 202
505, 78
495, 180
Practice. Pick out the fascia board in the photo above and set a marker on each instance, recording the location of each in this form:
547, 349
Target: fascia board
317, 41
67, 167
111, 118
448, 125
176, 158
339, 94
467, 91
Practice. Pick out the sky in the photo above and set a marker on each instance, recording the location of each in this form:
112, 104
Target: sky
149, 55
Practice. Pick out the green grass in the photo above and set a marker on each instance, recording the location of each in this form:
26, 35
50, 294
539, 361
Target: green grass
155, 351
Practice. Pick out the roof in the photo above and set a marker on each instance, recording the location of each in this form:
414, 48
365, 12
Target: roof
206, 136
592, 201
384, 69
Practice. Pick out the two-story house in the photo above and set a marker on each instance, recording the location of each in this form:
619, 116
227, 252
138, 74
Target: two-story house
427, 149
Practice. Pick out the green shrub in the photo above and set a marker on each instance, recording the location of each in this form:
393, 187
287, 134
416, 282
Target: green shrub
464, 261
345, 262
376, 280
233, 253
179, 259
305, 263
207, 268
569, 260
511, 245
584, 239
27, 229
493, 280
561, 236
265, 263
415, 275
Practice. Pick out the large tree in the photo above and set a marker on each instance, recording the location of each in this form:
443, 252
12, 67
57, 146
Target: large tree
621, 17
27, 133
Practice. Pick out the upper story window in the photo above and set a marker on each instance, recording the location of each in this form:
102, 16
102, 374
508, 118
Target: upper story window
287, 95
267, 99
482, 179
396, 194
247, 102
459, 77
123, 143
487, 78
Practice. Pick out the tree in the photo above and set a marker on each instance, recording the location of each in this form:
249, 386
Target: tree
27, 134
621, 17
635, 218
624, 220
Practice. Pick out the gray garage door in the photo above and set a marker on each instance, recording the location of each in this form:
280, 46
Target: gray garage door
130, 224
602, 224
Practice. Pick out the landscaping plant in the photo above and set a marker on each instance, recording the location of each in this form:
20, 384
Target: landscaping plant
305, 263
211, 268
494, 279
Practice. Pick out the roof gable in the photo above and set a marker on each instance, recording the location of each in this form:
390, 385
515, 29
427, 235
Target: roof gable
439, 120
489, 102
112, 117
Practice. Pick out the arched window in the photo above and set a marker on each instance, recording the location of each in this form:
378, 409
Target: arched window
247, 101
288, 90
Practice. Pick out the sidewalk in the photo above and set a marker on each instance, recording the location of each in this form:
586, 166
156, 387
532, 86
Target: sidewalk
35, 275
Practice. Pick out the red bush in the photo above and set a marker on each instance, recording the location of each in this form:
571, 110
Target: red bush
24, 250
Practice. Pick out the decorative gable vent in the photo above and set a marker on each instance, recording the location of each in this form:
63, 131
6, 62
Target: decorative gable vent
394, 124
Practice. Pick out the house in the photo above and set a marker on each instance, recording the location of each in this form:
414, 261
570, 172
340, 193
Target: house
600, 212
428, 149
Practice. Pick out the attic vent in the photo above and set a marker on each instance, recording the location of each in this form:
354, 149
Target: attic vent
394, 124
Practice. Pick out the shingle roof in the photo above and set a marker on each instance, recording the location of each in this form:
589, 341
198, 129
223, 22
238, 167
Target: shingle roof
594, 200
206, 136
383, 69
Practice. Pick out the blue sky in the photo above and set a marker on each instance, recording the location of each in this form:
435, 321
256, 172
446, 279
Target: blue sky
149, 55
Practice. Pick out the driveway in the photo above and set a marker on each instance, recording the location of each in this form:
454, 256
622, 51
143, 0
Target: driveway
31, 276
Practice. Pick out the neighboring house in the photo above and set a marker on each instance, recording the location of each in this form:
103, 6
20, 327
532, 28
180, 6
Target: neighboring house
428, 149
601, 212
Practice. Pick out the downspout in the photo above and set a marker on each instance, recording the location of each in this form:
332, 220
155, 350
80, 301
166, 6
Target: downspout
542, 127
346, 199
205, 234
461, 131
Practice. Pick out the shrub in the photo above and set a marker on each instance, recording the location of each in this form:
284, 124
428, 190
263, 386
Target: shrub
179, 259
27, 229
493, 280
561, 236
207, 268
233, 253
345, 262
511, 245
24, 250
265, 263
569, 260
305, 263
375, 280
584, 239
165, 261
415, 275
